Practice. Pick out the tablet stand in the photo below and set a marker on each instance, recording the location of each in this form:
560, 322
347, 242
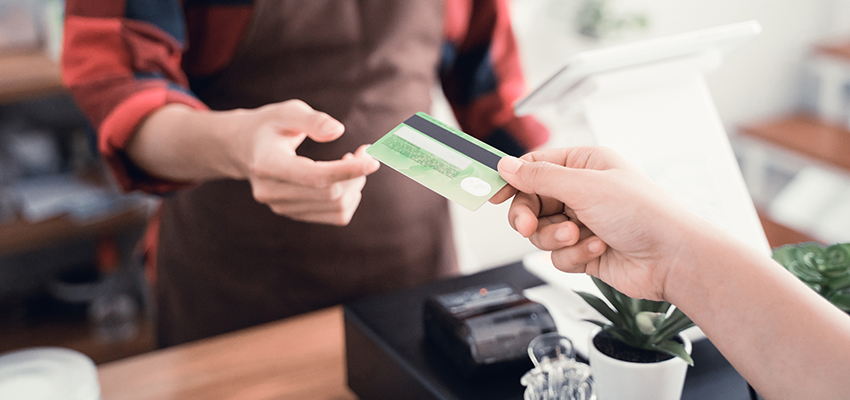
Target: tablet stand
661, 117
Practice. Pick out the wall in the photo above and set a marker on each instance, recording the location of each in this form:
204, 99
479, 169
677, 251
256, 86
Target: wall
764, 77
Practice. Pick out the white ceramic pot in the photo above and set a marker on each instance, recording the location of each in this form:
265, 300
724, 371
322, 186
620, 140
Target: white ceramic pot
623, 380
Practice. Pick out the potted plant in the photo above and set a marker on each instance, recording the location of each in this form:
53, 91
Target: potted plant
640, 352
826, 269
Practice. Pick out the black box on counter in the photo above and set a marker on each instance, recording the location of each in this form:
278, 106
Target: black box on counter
388, 355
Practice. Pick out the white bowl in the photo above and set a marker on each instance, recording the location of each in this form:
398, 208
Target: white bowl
48, 373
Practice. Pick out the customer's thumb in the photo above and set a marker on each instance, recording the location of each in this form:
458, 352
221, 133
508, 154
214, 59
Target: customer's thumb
540, 177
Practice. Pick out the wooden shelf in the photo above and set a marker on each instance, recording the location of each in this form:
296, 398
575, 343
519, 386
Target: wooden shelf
76, 334
806, 135
834, 49
21, 236
24, 76
780, 235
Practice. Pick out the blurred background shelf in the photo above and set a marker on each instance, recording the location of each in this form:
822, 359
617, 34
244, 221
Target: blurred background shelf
798, 168
36, 255
837, 49
28, 75
779, 234
22, 236
805, 134
60, 327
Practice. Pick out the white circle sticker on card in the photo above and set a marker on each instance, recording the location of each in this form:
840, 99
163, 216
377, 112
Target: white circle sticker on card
475, 186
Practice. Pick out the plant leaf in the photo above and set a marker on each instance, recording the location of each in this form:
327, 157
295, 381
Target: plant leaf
648, 321
676, 322
651, 306
826, 270
597, 323
806, 273
628, 337
811, 255
838, 255
839, 282
605, 288
832, 270
602, 307
784, 255
620, 303
841, 299
675, 349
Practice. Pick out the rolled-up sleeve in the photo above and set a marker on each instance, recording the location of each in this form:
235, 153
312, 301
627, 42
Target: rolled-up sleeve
121, 60
482, 77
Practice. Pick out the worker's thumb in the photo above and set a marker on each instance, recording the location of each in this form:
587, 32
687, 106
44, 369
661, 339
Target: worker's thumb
297, 117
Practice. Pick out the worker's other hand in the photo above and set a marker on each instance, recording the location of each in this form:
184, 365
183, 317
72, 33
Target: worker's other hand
598, 215
297, 187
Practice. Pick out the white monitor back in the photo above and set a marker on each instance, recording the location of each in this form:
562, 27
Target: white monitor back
580, 66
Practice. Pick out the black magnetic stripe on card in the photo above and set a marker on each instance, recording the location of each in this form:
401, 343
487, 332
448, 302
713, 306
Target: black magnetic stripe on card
454, 141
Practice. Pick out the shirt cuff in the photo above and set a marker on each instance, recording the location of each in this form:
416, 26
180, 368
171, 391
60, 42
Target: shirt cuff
528, 132
120, 125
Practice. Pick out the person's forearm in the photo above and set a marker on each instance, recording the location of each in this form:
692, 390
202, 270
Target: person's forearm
784, 338
179, 143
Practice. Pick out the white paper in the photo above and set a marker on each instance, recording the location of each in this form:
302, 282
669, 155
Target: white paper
834, 227
816, 202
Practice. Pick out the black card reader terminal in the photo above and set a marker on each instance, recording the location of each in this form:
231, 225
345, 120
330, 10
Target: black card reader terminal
485, 328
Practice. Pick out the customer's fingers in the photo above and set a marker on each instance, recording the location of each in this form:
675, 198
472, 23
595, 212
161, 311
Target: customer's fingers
503, 194
575, 258
544, 179
523, 213
555, 232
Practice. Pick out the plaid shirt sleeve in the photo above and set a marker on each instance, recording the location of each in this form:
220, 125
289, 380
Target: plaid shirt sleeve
122, 61
482, 77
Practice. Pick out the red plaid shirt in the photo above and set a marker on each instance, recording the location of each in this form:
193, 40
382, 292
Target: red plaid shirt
122, 60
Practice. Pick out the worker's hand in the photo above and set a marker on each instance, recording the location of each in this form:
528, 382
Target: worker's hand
325, 192
598, 215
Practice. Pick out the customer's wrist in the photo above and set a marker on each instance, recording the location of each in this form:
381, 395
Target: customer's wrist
700, 248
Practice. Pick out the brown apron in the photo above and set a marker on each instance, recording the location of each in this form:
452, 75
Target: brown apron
226, 262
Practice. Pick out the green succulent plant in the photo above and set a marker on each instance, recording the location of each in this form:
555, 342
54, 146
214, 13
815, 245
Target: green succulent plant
826, 269
644, 324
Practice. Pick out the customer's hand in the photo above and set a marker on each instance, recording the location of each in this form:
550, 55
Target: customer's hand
598, 215
294, 186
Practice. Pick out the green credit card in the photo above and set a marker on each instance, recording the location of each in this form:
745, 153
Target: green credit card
445, 160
